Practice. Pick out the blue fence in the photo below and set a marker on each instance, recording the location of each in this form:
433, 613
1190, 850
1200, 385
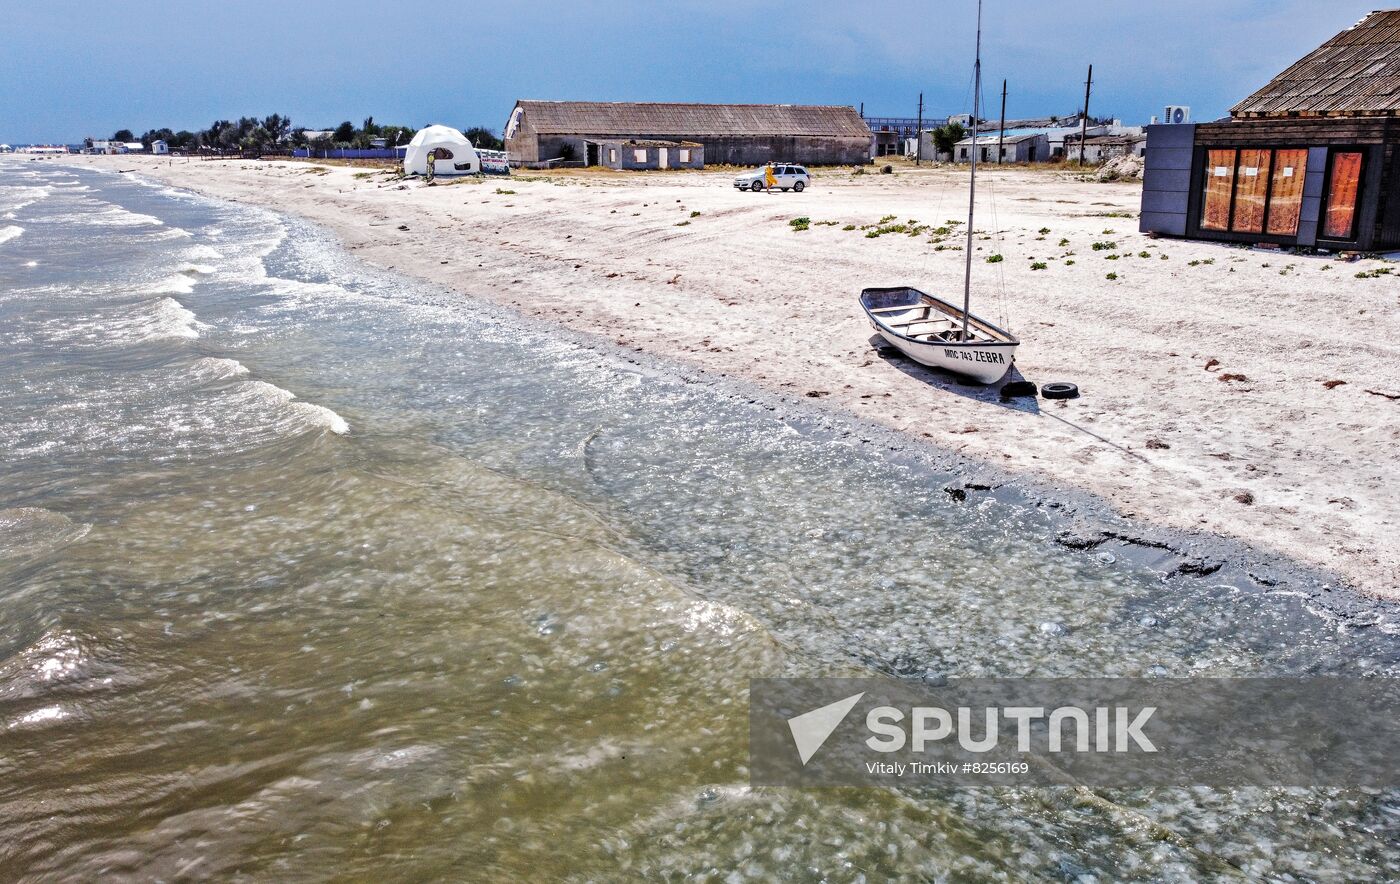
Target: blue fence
351, 153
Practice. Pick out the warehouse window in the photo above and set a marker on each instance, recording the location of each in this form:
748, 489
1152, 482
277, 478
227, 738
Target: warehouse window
1251, 190
1286, 191
639, 155
1254, 190
1342, 186
612, 154
1220, 184
685, 155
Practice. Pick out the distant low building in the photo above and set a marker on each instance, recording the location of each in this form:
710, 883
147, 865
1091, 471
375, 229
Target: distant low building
159, 147
1102, 148
1311, 159
1055, 132
1026, 147
890, 135
541, 133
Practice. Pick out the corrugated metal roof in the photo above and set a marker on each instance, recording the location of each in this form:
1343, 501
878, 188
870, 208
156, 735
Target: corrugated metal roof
656, 118
1357, 72
988, 140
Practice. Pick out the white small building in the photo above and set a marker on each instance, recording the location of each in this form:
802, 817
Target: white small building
452, 153
1022, 147
159, 147
133, 147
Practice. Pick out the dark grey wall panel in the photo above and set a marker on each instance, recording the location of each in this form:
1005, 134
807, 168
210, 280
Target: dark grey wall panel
1169, 157
1180, 135
1163, 222
1175, 180
1310, 211
1317, 168
1174, 202
1166, 179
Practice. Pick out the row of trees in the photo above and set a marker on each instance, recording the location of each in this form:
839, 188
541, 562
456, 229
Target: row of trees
276, 130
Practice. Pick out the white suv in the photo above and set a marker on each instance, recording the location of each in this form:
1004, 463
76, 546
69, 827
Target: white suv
789, 177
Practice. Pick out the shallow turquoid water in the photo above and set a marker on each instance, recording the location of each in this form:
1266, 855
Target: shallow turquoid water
309, 570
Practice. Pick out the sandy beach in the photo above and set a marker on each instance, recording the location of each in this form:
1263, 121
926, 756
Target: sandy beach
1247, 393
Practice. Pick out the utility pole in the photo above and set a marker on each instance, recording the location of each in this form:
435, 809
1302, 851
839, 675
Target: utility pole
919, 134
1084, 123
1001, 132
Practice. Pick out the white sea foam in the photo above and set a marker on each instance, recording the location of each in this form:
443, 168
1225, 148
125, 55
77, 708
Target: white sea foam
12, 199
9, 232
308, 414
197, 252
171, 319
154, 320
119, 217
323, 416
178, 284
215, 369
170, 233
38, 717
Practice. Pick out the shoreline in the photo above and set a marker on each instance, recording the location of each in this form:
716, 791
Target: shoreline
1106, 493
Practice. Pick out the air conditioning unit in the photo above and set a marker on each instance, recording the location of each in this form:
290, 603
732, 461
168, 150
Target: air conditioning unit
1177, 114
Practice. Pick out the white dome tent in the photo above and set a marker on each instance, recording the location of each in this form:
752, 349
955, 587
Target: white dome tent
454, 154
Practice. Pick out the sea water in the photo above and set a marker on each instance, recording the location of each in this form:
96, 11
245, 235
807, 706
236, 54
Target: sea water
309, 570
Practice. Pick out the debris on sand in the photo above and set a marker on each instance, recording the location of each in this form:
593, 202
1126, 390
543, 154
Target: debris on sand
1126, 168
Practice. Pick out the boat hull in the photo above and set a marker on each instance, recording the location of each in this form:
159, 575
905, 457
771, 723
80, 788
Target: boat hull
928, 330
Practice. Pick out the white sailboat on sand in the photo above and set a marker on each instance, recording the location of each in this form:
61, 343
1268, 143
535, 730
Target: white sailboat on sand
933, 331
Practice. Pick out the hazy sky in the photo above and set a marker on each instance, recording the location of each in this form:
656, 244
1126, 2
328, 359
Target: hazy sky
73, 69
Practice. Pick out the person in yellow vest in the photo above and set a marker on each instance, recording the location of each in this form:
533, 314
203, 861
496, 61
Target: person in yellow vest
770, 180
432, 161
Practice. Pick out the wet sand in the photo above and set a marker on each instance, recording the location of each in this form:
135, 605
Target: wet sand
1210, 374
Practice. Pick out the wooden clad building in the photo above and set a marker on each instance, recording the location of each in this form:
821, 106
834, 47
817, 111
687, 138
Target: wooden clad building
1312, 159
577, 132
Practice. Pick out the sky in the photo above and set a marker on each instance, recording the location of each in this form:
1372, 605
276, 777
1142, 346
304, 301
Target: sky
72, 69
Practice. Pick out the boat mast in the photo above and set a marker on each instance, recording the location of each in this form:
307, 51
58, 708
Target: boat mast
972, 187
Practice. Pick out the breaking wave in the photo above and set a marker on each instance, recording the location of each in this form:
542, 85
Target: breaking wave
12, 199
153, 320
211, 368
10, 231
306, 413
